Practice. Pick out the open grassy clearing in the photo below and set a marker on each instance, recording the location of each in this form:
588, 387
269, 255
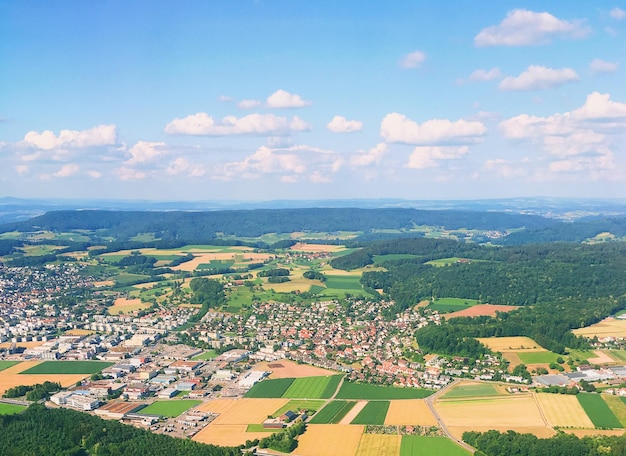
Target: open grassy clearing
311, 405
598, 411
373, 413
409, 412
619, 355
171, 408
343, 282
258, 427
417, 445
330, 439
207, 355
379, 445
441, 262
10, 409
67, 367
271, 388
372, 392
540, 357
6, 364
563, 410
333, 413
452, 304
472, 390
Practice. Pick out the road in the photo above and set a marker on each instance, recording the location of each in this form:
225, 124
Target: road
430, 403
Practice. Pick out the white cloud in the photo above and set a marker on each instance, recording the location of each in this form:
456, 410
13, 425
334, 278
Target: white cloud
144, 152
429, 157
504, 168
618, 13
580, 139
125, 173
183, 166
371, 157
248, 104
21, 169
102, 135
67, 170
539, 78
340, 124
95, 174
289, 164
412, 60
599, 66
252, 124
398, 128
283, 99
485, 75
225, 99
523, 27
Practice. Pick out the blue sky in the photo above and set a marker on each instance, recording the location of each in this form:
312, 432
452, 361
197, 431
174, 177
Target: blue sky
262, 100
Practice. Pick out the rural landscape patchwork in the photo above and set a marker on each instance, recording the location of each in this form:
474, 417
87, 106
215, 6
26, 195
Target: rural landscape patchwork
396, 332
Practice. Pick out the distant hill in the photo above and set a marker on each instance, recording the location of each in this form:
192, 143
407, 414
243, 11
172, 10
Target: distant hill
179, 225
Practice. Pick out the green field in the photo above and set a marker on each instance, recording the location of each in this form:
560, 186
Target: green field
344, 282
473, 390
68, 367
216, 264
373, 413
209, 354
274, 388
544, 357
598, 411
10, 409
258, 427
170, 408
6, 364
365, 391
333, 413
313, 387
417, 445
452, 304
617, 354
311, 405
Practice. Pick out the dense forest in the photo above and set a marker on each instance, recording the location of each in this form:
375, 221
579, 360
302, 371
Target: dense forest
41, 432
193, 226
494, 443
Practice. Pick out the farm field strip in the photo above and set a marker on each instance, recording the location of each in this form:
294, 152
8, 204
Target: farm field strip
271, 388
67, 367
242, 411
608, 327
374, 412
379, 445
409, 412
538, 357
171, 408
353, 412
598, 411
503, 344
10, 409
372, 392
333, 412
330, 439
467, 390
6, 364
227, 434
312, 405
313, 387
616, 404
417, 445
563, 410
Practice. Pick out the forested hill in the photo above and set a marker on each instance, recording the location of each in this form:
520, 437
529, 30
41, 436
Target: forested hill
252, 223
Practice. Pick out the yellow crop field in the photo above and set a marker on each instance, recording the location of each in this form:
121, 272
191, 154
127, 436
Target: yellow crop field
379, 445
609, 327
288, 369
330, 439
410, 412
11, 377
562, 410
510, 412
227, 434
503, 344
242, 411
295, 284
123, 305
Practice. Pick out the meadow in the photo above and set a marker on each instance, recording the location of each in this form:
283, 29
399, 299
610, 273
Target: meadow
598, 411
333, 413
371, 392
10, 409
374, 412
272, 388
311, 405
313, 387
67, 367
452, 304
170, 408
6, 364
540, 357
207, 355
417, 445
471, 390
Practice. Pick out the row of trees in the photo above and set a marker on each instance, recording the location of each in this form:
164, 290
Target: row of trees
33, 392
